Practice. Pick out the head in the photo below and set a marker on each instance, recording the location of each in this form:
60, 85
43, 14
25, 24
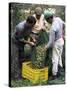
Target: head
48, 16
38, 12
30, 21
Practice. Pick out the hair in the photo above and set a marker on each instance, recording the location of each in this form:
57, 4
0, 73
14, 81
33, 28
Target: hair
31, 19
49, 17
38, 10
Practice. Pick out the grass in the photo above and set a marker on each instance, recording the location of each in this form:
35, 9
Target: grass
25, 82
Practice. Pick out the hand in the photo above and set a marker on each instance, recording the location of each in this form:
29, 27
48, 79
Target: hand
32, 43
34, 40
45, 48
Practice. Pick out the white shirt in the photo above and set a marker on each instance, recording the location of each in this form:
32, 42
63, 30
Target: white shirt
40, 24
55, 31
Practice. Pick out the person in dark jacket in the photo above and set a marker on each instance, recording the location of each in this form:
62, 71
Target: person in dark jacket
20, 38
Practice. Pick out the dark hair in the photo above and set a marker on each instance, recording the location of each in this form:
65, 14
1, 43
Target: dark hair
31, 19
49, 17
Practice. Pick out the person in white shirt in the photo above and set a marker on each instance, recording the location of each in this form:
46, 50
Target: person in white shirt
55, 41
40, 25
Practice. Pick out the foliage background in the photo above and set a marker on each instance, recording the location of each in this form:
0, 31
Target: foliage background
20, 11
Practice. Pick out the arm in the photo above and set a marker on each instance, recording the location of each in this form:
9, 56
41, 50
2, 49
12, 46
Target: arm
26, 41
18, 36
51, 39
63, 32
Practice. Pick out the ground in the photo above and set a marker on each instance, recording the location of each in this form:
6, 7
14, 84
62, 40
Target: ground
25, 82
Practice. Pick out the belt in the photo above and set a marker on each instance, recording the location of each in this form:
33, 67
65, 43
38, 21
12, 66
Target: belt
58, 38
35, 33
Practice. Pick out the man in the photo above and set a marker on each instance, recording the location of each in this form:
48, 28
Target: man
41, 23
20, 38
38, 33
55, 41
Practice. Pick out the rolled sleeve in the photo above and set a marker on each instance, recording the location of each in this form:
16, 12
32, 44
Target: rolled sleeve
17, 35
51, 39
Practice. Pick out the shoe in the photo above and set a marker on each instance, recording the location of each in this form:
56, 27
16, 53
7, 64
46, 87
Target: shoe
53, 77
